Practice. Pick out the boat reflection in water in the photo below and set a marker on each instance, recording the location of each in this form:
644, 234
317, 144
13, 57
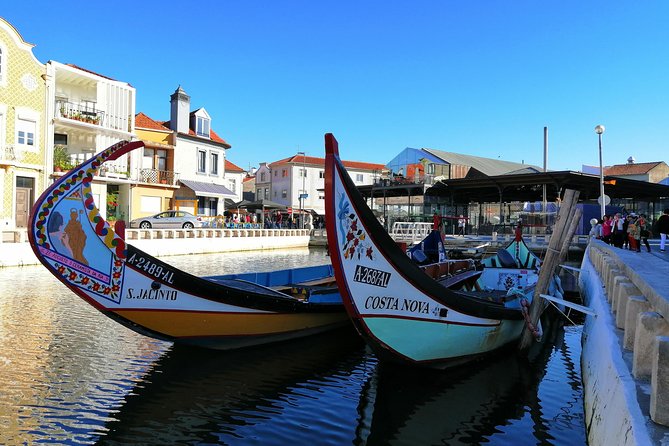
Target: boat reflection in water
277, 394
493, 401
331, 390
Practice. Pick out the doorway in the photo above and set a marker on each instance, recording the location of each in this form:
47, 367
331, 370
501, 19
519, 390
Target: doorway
25, 188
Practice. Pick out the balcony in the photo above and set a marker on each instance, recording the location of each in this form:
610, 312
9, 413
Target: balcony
80, 112
155, 176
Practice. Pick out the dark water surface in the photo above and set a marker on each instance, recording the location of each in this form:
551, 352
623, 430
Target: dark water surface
69, 375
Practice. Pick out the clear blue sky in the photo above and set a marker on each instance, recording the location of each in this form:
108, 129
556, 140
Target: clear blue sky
476, 77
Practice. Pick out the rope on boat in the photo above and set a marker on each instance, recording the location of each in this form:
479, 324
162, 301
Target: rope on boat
525, 308
561, 312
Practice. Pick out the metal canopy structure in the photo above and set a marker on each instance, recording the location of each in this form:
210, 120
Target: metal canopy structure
523, 187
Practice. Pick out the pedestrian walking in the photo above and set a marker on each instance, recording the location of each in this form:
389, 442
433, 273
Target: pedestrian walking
606, 229
663, 228
462, 224
617, 232
644, 232
436, 221
633, 234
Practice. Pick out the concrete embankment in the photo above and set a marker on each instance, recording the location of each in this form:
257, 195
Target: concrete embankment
625, 357
181, 242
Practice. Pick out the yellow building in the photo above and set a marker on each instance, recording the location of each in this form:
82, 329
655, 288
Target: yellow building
154, 192
22, 128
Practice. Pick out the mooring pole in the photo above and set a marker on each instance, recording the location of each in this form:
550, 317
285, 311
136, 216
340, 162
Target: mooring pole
550, 263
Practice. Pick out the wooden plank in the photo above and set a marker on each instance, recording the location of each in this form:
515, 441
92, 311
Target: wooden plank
566, 303
550, 263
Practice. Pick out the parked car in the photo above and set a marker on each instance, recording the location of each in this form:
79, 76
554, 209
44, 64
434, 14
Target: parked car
168, 220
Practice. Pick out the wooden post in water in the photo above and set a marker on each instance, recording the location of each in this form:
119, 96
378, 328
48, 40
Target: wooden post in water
574, 218
550, 263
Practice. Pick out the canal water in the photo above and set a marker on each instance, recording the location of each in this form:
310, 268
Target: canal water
69, 375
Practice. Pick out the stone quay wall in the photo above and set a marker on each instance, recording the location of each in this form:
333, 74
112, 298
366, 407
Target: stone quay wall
168, 242
625, 358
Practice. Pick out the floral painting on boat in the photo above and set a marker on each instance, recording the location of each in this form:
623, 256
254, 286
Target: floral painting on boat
354, 242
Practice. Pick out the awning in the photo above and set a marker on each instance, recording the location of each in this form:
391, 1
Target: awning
208, 189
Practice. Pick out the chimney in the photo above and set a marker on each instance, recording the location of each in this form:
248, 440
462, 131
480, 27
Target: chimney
630, 160
179, 110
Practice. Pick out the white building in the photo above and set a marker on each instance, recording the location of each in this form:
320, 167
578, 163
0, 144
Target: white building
304, 176
199, 159
234, 179
89, 112
263, 185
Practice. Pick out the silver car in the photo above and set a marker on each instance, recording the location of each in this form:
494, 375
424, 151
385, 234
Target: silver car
168, 220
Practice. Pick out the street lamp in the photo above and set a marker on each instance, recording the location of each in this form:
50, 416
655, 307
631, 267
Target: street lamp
301, 196
600, 130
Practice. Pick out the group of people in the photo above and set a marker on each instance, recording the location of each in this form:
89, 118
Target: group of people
630, 231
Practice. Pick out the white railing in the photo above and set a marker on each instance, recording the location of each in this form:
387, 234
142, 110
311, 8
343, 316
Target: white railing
410, 232
211, 233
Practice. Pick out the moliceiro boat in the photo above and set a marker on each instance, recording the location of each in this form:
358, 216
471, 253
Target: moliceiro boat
403, 313
74, 242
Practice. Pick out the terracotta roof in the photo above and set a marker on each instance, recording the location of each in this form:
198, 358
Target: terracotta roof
312, 160
91, 72
631, 169
143, 121
231, 167
213, 135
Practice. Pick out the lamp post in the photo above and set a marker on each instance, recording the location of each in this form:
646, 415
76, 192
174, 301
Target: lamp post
600, 130
301, 195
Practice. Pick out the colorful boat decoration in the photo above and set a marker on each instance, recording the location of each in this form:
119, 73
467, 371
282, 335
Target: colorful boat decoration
404, 314
515, 267
73, 241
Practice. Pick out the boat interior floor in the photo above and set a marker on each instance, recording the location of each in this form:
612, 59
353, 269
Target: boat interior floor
496, 296
244, 285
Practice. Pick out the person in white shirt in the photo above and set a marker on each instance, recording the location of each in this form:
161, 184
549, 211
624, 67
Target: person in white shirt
462, 224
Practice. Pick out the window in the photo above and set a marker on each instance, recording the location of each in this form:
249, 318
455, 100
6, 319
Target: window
303, 173
214, 163
430, 169
232, 185
25, 132
161, 158
267, 193
321, 174
262, 177
201, 161
284, 173
276, 172
284, 193
60, 139
154, 159
274, 194
259, 194
321, 195
359, 177
202, 127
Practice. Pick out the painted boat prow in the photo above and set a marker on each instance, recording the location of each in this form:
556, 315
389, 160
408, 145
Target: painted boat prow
397, 308
73, 241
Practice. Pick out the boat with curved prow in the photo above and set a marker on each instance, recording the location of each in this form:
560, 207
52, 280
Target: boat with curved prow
75, 243
404, 314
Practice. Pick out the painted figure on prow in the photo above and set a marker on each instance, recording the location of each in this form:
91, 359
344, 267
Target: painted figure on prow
57, 237
76, 237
